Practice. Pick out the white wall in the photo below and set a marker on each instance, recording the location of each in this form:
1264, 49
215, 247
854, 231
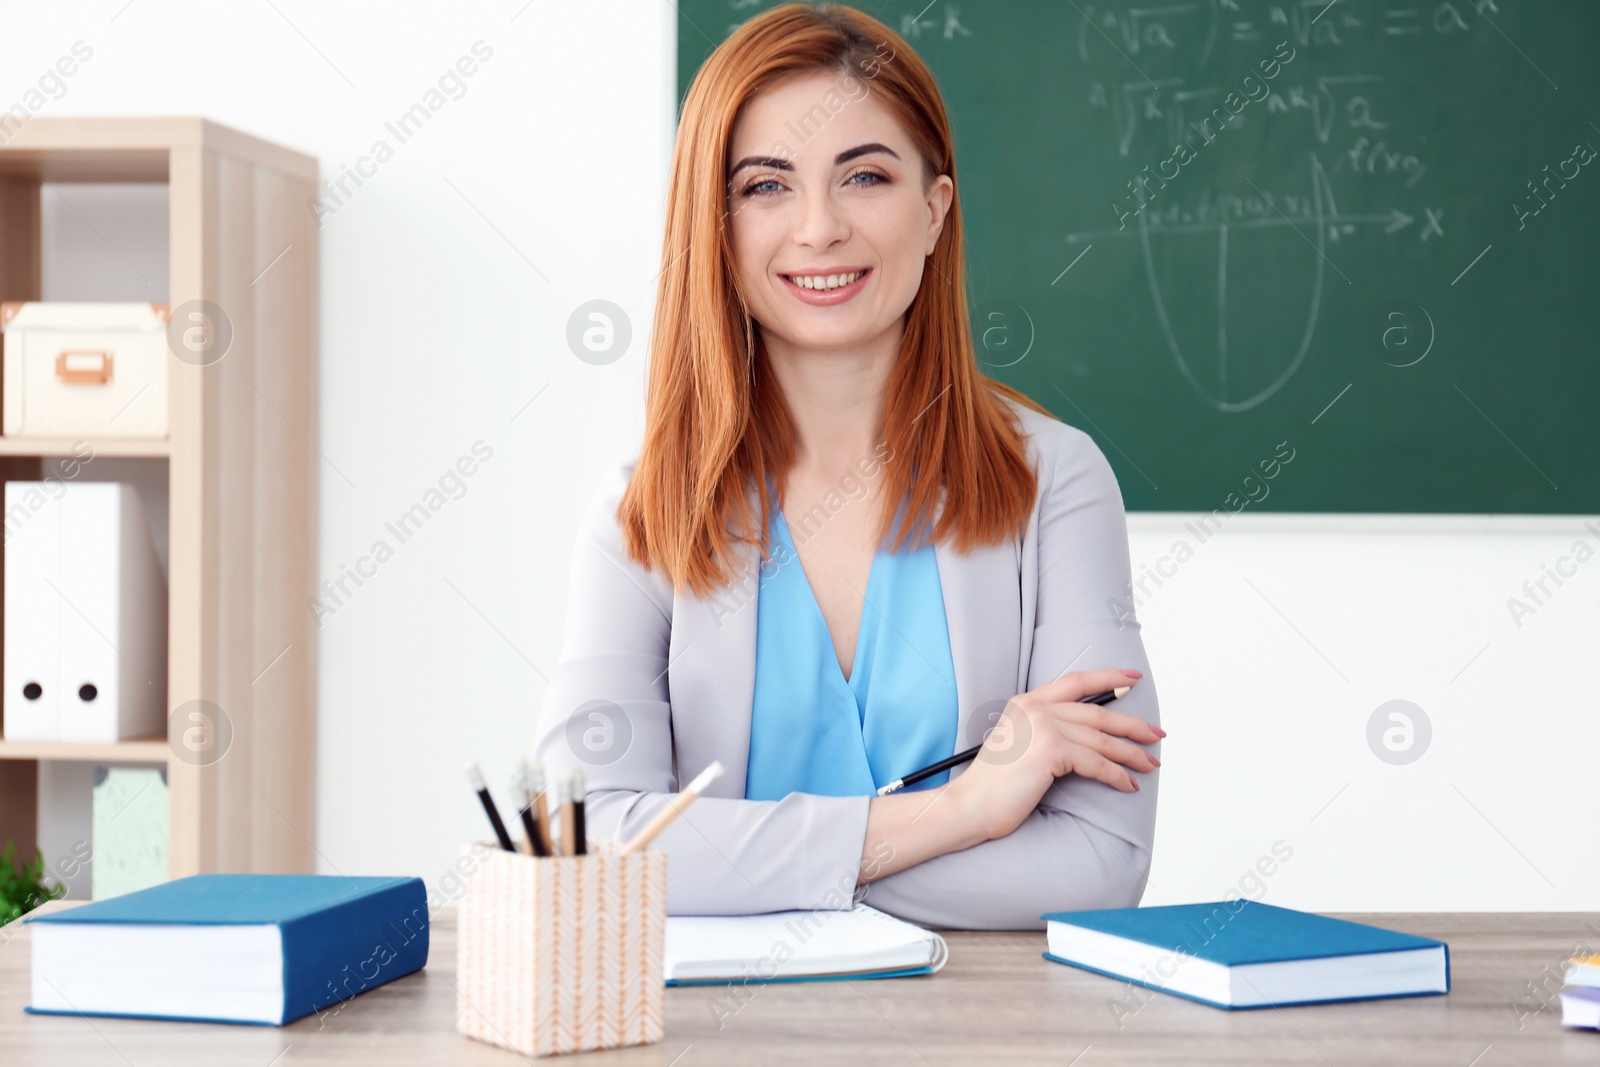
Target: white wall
448, 278
1277, 641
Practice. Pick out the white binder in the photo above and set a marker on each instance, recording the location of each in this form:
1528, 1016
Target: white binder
85, 615
33, 554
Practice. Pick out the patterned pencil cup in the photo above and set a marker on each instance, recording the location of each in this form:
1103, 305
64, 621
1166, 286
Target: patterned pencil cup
564, 953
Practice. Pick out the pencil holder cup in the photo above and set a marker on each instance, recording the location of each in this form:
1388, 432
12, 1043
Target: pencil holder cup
563, 953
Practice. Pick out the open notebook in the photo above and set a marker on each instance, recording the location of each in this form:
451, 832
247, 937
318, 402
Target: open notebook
795, 946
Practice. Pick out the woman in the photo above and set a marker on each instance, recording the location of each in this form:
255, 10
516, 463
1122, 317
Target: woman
843, 553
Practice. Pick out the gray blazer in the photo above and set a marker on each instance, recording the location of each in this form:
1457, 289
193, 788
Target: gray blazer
653, 685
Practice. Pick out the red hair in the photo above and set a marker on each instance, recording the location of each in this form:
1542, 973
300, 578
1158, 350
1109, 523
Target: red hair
716, 422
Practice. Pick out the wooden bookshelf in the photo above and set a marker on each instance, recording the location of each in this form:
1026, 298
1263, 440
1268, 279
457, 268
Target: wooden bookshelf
140, 750
49, 447
241, 476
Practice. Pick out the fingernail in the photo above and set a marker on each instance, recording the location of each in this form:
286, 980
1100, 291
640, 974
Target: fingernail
1135, 782
1132, 674
1159, 731
1155, 761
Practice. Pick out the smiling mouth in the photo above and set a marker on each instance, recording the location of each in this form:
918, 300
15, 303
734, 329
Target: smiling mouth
825, 283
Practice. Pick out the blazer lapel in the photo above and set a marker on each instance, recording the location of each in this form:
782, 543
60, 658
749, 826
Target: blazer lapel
983, 609
711, 665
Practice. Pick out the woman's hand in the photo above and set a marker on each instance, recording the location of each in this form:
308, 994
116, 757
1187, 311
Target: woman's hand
1044, 734
1040, 736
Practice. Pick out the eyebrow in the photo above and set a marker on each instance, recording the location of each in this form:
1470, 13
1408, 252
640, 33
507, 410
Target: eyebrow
839, 160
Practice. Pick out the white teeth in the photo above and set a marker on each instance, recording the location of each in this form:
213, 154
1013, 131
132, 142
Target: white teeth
823, 283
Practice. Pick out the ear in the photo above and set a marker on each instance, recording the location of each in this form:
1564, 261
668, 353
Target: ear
941, 193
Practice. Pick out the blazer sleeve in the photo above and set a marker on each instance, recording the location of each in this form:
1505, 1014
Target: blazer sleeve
1086, 845
607, 712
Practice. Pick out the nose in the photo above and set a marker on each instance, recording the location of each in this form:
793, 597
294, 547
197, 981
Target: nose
821, 223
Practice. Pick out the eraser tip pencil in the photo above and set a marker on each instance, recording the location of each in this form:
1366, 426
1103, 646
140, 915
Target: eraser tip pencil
580, 841
673, 809
475, 777
519, 788
564, 802
541, 807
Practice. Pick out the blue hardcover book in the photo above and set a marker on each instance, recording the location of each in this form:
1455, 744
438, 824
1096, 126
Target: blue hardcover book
241, 948
1243, 954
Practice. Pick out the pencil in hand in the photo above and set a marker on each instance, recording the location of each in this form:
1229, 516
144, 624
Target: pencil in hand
961, 757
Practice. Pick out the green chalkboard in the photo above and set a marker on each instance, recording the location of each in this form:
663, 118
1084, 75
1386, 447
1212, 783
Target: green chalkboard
1384, 254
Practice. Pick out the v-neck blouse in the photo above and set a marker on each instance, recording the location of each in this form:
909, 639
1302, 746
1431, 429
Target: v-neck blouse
813, 731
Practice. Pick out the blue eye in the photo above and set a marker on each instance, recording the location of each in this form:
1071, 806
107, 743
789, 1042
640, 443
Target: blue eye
754, 188
867, 174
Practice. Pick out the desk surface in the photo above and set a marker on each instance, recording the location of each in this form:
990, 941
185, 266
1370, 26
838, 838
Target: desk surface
996, 1000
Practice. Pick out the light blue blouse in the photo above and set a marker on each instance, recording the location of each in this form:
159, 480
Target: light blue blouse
813, 731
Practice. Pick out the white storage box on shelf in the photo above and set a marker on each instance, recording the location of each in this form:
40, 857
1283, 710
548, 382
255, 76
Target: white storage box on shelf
84, 370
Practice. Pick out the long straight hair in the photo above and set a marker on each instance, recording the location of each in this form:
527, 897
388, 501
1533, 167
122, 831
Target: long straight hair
716, 421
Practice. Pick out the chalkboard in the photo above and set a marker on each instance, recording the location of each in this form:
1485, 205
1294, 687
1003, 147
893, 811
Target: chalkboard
1212, 233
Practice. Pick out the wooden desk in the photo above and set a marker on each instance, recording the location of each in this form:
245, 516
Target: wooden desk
996, 1001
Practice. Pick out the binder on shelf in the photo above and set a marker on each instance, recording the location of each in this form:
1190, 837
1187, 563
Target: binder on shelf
85, 615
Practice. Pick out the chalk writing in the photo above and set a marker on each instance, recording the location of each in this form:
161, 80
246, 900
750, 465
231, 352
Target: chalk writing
950, 27
1191, 83
1183, 154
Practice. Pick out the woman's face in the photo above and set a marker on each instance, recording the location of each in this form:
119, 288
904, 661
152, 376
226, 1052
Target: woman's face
823, 186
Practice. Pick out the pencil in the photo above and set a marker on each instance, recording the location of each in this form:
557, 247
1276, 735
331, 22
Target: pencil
961, 757
541, 808
673, 808
580, 840
564, 799
475, 777
529, 829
